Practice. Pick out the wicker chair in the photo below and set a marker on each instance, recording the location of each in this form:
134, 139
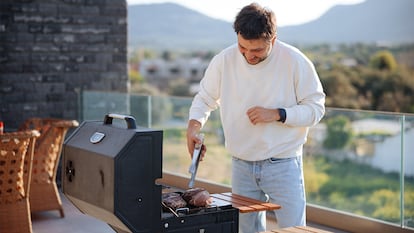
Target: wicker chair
44, 194
16, 153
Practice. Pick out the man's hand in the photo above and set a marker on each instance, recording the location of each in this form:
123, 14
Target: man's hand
262, 115
193, 130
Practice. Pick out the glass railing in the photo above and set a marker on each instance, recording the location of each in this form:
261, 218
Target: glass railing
361, 162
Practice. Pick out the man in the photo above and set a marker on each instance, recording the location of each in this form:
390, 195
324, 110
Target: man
269, 94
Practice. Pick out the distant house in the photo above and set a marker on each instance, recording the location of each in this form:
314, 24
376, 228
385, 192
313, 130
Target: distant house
349, 62
191, 69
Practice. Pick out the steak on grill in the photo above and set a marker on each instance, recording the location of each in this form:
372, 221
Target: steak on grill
173, 200
197, 197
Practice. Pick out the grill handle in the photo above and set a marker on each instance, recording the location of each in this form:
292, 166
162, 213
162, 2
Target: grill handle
130, 120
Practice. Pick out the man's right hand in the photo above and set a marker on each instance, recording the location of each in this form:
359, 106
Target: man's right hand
193, 130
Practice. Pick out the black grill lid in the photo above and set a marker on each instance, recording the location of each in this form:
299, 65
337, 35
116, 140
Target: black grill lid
110, 173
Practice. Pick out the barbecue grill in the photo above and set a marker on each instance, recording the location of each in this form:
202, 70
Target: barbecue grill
111, 173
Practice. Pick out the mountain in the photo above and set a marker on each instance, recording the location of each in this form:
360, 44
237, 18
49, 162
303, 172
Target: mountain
171, 26
371, 21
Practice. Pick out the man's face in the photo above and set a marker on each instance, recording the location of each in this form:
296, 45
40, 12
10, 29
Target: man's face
256, 50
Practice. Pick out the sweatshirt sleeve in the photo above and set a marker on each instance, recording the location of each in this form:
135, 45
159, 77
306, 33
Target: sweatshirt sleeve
310, 106
208, 97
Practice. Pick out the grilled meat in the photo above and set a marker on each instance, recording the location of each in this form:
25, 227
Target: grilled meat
197, 197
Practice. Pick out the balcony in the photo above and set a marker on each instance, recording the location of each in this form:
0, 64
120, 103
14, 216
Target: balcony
358, 165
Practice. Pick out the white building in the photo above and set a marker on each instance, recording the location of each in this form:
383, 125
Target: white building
159, 69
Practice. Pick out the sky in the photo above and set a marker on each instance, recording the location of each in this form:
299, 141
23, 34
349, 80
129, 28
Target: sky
288, 12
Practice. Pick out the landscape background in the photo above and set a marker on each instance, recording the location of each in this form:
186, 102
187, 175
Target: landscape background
364, 53
171, 26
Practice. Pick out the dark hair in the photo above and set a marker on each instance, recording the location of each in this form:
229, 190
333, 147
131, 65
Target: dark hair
255, 22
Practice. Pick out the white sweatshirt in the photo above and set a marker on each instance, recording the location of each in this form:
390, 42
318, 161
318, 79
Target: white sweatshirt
285, 79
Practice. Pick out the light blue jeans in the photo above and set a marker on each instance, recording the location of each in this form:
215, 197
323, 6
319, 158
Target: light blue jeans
279, 181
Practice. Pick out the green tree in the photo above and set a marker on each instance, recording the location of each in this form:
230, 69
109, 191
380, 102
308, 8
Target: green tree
388, 91
383, 60
339, 132
339, 90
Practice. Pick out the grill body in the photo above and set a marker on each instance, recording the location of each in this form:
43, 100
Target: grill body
110, 173
221, 220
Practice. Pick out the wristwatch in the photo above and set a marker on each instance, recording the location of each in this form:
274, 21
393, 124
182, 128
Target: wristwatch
282, 114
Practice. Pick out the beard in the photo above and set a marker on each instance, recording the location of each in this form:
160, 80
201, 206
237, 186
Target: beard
255, 60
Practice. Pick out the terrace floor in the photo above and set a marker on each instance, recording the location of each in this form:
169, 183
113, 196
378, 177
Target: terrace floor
73, 222
77, 222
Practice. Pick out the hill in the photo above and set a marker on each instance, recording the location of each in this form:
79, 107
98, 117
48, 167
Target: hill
372, 21
172, 26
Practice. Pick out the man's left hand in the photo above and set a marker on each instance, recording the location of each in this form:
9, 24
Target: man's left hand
262, 115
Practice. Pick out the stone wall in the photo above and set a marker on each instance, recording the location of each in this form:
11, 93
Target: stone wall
51, 50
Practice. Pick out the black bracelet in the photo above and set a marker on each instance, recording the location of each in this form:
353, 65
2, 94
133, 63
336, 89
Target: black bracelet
282, 114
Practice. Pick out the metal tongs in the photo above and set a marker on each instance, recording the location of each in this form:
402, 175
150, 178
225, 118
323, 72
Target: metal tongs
196, 159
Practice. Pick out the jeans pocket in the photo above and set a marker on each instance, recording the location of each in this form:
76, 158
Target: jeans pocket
280, 160
235, 159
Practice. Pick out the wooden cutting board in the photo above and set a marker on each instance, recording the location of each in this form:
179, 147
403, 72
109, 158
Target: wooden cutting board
244, 204
298, 229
